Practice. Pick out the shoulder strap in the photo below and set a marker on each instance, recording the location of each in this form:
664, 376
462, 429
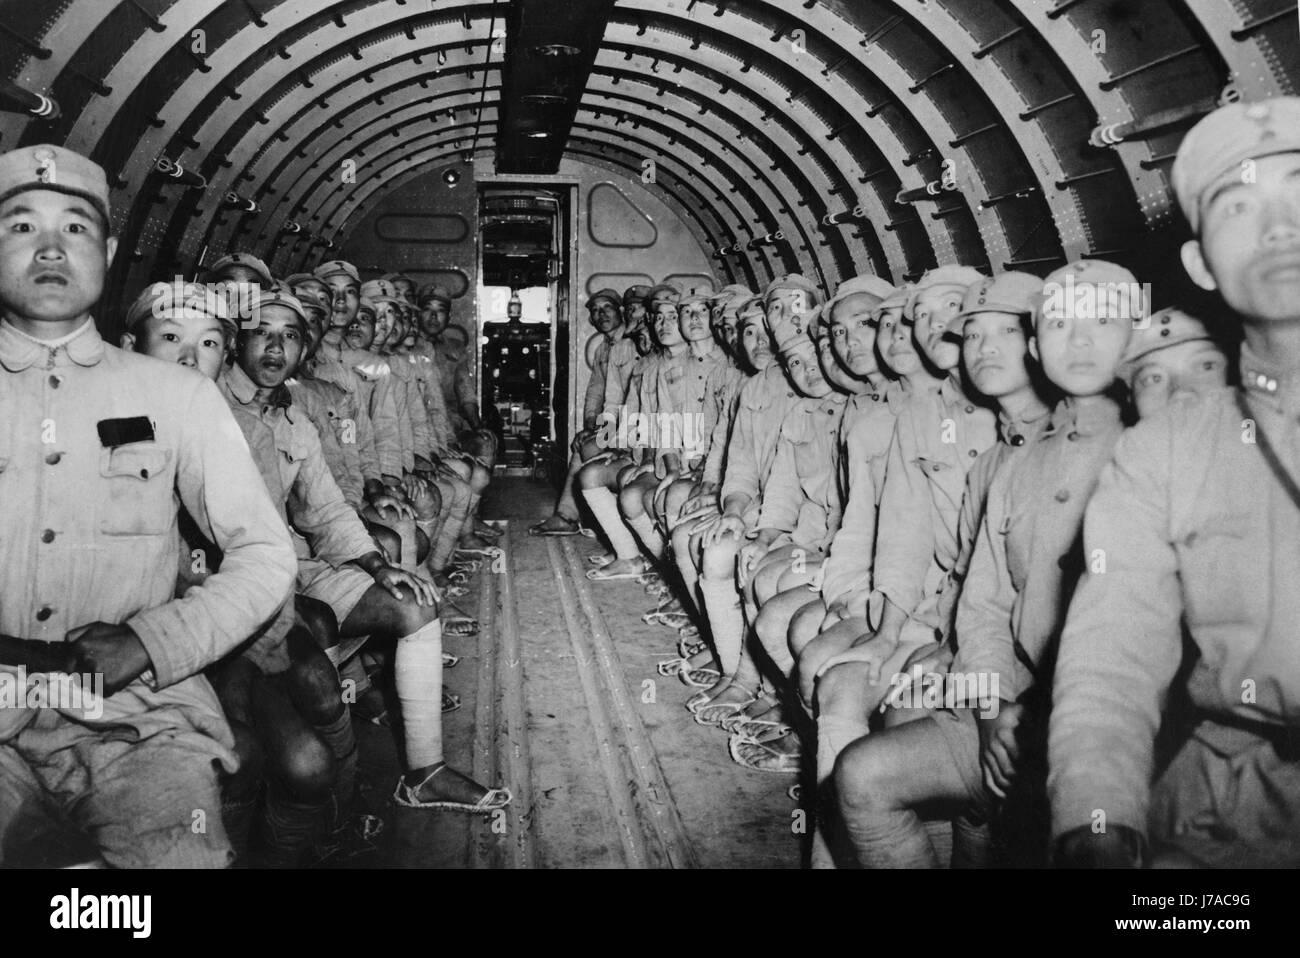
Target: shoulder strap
1279, 470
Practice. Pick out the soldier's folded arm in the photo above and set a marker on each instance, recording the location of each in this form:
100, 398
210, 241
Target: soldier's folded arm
986, 601
220, 486
1121, 645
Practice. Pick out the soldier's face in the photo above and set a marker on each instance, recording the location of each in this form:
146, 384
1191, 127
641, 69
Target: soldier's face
643, 340
1249, 247
361, 331
727, 331
270, 352
1080, 349
634, 314
895, 339
755, 345
804, 370
853, 334
433, 318
313, 283
784, 304
385, 319
1184, 371
316, 320
931, 314
693, 321
993, 348
195, 342
54, 252
345, 294
405, 289
835, 374
667, 330
607, 316
399, 329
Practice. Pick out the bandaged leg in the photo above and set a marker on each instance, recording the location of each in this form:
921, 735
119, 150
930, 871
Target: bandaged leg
604, 506
726, 620
685, 561
449, 535
405, 529
418, 677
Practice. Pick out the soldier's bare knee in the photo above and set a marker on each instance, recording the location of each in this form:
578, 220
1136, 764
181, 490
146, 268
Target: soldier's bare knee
306, 768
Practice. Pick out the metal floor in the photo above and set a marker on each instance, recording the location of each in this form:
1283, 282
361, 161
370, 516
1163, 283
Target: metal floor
562, 703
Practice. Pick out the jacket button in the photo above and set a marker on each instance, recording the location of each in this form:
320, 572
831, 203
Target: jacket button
43, 613
1062, 496
55, 382
973, 453
47, 535
53, 458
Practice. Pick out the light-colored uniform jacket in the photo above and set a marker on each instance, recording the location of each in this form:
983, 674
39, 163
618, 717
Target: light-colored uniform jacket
89, 532
801, 497
764, 401
1195, 530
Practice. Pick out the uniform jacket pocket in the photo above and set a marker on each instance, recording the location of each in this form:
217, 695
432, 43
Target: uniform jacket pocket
138, 498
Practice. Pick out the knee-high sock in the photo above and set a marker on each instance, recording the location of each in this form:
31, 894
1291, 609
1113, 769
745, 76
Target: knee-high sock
604, 507
834, 735
644, 526
690, 576
418, 676
726, 621
430, 529
343, 746
471, 512
440, 554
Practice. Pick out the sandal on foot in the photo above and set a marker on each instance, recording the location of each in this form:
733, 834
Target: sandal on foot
571, 527
650, 577
671, 667
492, 799
460, 625
671, 620
698, 701
713, 713
759, 734
795, 792
761, 757
603, 575
657, 590
450, 701
702, 677
487, 552
600, 559
450, 661
688, 647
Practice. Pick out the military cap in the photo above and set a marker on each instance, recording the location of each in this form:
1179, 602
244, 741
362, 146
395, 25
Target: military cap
432, 292
191, 299
380, 291
694, 299
794, 281
337, 267
792, 331
49, 167
750, 311
609, 295
1011, 292
247, 261
394, 277
943, 277
1168, 327
663, 293
898, 298
1225, 139
309, 296
636, 294
1080, 282
867, 284
272, 297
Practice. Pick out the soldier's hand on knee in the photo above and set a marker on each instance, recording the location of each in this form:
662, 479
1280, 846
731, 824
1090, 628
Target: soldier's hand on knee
396, 582
725, 526
114, 651
998, 749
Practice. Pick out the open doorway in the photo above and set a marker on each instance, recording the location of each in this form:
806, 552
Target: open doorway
523, 322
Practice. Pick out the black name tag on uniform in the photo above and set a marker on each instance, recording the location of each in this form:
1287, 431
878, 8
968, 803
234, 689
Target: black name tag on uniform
121, 432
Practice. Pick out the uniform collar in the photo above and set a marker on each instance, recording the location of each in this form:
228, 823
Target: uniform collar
244, 390
18, 351
1262, 379
952, 392
1018, 430
1089, 420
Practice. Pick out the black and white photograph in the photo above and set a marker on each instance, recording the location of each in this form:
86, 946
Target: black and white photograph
651, 435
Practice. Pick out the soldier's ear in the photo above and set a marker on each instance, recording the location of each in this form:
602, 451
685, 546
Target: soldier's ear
1033, 347
110, 249
127, 342
1194, 263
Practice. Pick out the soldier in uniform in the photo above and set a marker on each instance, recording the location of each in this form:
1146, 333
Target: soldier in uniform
94, 444
1173, 357
1198, 521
